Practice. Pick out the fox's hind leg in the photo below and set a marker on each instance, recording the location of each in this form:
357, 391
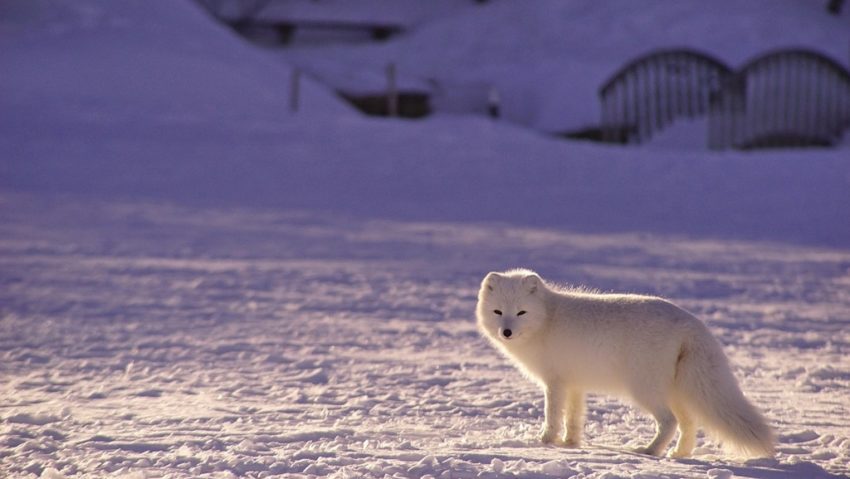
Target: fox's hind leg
575, 418
687, 432
665, 428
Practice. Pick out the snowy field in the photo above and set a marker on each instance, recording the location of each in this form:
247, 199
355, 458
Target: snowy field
195, 282
147, 340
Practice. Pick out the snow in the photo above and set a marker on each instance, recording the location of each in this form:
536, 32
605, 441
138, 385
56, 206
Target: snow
197, 282
548, 61
143, 64
187, 341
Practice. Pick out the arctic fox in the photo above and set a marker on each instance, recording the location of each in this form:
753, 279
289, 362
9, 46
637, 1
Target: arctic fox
645, 348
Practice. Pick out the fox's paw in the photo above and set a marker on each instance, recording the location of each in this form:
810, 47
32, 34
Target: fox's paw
550, 437
572, 442
645, 450
677, 454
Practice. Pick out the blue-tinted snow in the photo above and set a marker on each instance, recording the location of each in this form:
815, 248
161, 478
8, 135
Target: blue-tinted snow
195, 281
549, 60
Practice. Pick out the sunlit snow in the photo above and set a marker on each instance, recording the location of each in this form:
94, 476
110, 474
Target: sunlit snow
196, 281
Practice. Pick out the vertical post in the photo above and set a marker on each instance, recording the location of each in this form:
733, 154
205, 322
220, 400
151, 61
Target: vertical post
634, 128
771, 102
294, 90
494, 102
713, 113
821, 126
392, 90
696, 88
794, 86
831, 97
622, 111
682, 83
725, 127
701, 72
752, 88
810, 91
671, 76
607, 99
646, 86
603, 116
729, 113
787, 104
657, 74
836, 104
740, 131
640, 108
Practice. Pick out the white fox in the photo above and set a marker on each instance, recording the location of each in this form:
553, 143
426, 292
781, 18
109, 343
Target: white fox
642, 347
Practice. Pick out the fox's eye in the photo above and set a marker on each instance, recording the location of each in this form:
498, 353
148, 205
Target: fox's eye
520, 313
497, 312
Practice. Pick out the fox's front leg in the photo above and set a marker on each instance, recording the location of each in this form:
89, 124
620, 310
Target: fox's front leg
553, 424
575, 418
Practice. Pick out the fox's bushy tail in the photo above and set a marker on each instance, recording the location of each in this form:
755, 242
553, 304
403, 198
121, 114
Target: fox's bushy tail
705, 380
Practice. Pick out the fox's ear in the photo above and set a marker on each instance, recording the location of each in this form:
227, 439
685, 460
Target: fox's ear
531, 283
490, 279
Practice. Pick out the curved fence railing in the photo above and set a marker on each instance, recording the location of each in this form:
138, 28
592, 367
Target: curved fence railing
650, 92
790, 97
782, 98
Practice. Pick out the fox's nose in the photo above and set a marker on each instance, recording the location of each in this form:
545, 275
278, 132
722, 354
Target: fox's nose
507, 333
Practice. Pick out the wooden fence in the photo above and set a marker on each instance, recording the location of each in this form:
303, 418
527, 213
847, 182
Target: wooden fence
783, 98
650, 92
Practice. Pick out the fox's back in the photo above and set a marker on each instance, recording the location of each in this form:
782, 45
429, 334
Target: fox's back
612, 340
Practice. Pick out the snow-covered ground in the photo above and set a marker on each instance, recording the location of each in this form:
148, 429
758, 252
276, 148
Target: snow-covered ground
160, 341
197, 282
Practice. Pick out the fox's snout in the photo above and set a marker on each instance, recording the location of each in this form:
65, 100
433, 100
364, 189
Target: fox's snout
505, 333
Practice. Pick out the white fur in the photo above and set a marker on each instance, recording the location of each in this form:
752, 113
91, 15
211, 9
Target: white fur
644, 348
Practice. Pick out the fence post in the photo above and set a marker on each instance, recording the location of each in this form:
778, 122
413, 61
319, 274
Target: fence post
715, 98
789, 97
494, 102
